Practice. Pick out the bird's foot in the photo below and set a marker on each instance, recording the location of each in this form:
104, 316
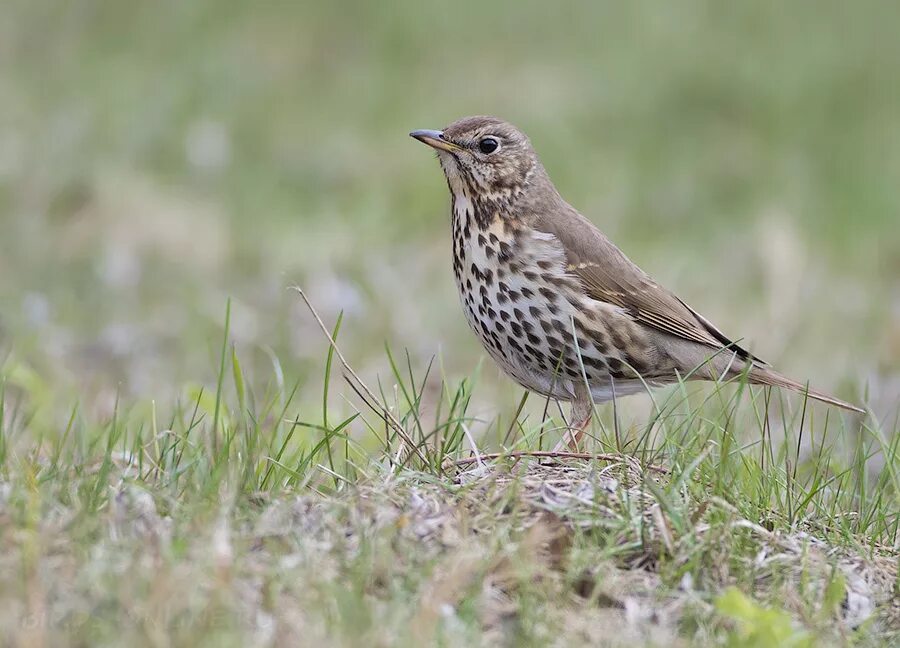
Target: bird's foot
572, 438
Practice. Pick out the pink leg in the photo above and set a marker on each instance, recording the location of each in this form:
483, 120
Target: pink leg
582, 410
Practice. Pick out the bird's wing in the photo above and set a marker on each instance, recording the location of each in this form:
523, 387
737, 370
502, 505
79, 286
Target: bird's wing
609, 276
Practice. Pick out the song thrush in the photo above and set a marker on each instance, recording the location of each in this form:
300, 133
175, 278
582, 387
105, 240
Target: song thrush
555, 303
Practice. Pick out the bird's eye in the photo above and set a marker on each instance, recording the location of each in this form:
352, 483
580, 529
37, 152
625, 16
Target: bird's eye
488, 145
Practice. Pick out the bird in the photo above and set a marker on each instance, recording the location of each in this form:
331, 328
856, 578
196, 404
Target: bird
553, 301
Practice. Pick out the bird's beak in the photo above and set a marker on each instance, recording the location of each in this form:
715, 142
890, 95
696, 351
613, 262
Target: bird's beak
434, 139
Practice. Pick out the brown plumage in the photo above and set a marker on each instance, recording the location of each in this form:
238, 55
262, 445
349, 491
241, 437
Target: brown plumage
559, 307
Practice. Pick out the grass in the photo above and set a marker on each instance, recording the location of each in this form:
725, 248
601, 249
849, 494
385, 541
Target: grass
170, 474
233, 518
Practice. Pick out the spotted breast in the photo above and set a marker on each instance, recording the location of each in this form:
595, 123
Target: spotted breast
530, 312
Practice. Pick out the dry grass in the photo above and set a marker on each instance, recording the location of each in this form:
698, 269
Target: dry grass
164, 481
196, 532
560, 553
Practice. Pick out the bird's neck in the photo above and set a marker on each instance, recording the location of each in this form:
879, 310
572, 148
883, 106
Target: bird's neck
479, 206
477, 209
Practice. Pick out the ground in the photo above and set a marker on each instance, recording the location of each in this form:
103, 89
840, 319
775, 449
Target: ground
173, 474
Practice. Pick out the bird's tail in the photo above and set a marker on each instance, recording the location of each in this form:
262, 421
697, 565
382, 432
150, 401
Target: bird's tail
764, 376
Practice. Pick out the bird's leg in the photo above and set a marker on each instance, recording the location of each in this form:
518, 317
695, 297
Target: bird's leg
582, 410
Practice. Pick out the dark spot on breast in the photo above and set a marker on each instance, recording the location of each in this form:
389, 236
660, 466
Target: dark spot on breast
619, 340
572, 298
494, 238
514, 267
600, 342
489, 252
636, 363
499, 327
528, 292
510, 340
536, 354
548, 294
502, 287
481, 240
530, 275
556, 359
491, 313
560, 326
519, 314
488, 276
534, 339
516, 329
514, 295
543, 264
468, 284
502, 298
504, 315
583, 327
596, 363
545, 324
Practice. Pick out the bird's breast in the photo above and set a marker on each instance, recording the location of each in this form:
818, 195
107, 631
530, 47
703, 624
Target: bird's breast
530, 313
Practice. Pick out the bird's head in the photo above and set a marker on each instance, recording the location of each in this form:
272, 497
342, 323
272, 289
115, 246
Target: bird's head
483, 156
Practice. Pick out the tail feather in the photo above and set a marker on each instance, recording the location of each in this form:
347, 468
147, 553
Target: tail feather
765, 376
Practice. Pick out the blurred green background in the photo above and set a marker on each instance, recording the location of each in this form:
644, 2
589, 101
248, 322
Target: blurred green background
158, 157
